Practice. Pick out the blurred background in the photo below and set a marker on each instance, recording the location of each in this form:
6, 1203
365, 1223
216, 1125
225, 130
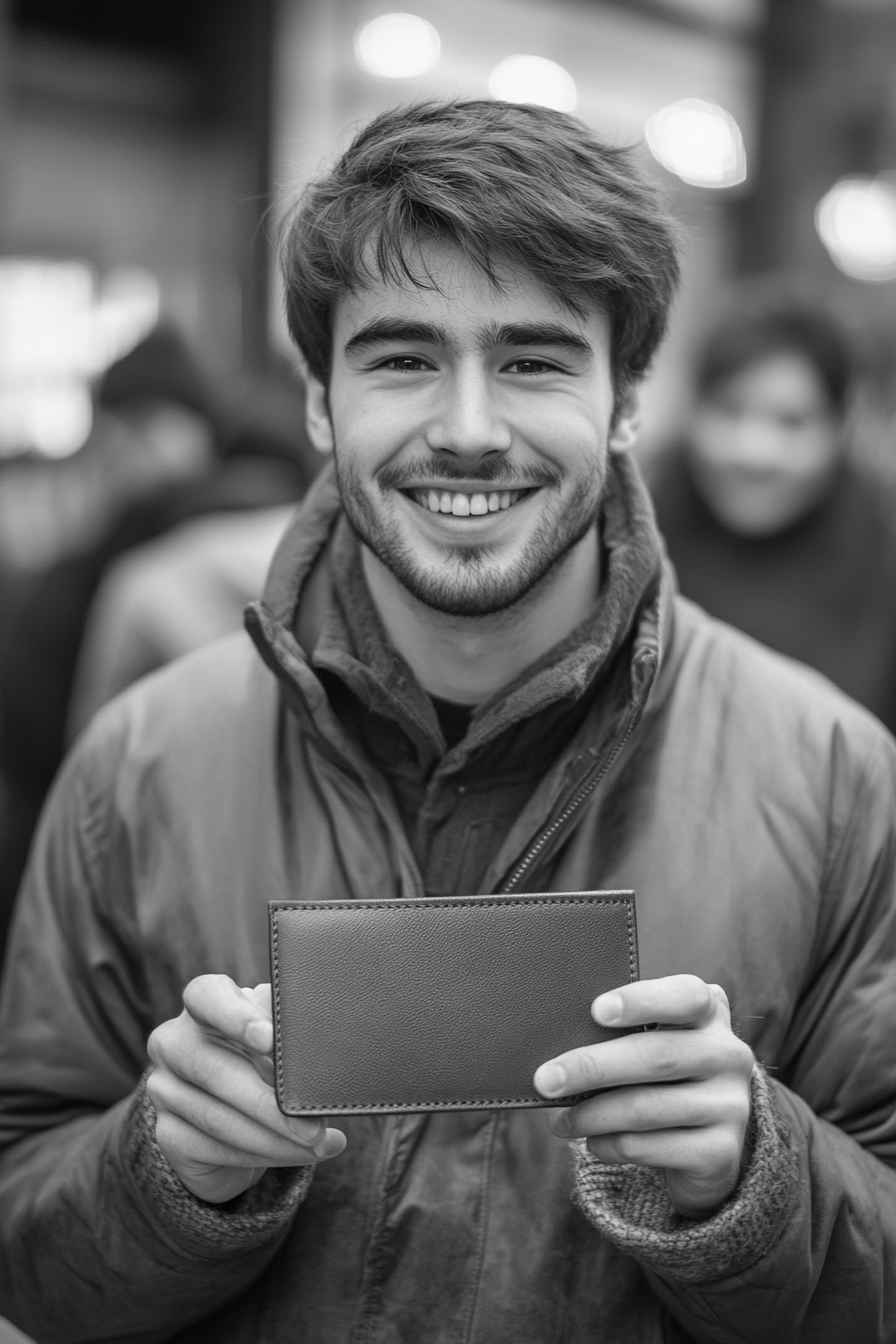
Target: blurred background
147, 389
143, 147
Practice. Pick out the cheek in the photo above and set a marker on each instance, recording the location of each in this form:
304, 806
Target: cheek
375, 429
814, 451
568, 434
711, 437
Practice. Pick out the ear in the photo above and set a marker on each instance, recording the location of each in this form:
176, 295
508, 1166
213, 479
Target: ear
626, 423
317, 412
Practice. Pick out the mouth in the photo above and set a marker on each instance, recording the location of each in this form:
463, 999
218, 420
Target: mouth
466, 503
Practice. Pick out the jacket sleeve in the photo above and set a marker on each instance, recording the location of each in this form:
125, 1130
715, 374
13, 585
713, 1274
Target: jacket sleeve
98, 1238
804, 1252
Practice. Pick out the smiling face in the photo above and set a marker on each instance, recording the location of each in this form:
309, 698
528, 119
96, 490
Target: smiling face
765, 444
470, 428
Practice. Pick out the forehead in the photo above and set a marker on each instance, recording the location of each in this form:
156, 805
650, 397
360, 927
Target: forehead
456, 294
784, 376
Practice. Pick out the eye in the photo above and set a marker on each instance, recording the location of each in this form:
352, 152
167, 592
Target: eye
404, 364
532, 366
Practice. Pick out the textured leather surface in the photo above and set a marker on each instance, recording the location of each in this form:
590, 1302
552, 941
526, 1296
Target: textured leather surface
439, 1004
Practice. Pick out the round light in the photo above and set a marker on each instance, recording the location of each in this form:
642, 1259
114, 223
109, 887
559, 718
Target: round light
856, 221
699, 142
397, 46
533, 79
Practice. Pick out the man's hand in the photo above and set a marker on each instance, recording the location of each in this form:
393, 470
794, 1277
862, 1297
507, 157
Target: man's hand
218, 1124
678, 1098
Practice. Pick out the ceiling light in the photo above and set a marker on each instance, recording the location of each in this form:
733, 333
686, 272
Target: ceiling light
699, 142
397, 46
856, 221
533, 79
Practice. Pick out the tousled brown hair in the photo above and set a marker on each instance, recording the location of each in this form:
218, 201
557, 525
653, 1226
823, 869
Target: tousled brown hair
510, 185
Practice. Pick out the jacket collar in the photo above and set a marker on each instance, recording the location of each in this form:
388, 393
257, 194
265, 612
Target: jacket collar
632, 617
316, 575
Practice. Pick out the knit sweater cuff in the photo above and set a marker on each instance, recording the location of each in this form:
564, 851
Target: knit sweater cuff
259, 1216
630, 1206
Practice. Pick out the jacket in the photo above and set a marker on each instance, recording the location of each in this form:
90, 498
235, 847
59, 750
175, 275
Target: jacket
748, 803
823, 590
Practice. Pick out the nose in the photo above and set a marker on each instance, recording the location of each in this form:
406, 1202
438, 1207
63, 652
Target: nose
468, 422
757, 444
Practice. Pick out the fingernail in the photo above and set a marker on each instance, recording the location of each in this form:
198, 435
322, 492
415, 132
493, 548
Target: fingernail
609, 1008
258, 1036
550, 1079
308, 1132
559, 1123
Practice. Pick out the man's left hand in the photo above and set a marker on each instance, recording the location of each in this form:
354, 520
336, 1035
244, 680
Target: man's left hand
677, 1098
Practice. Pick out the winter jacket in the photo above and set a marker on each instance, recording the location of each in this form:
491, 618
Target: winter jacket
748, 803
823, 590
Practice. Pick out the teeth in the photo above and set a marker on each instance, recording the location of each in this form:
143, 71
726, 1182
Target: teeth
462, 505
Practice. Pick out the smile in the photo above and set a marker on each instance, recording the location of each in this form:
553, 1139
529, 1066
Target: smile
465, 503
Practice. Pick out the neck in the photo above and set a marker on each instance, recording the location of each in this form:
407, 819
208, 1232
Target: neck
467, 659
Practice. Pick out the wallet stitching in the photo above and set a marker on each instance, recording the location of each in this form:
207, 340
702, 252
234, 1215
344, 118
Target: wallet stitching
428, 903
275, 959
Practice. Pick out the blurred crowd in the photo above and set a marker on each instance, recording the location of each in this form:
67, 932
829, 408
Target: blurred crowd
152, 538
145, 544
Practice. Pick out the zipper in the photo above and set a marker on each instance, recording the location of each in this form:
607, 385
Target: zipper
571, 807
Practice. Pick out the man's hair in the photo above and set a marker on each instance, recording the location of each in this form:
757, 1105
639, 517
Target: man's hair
510, 185
770, 322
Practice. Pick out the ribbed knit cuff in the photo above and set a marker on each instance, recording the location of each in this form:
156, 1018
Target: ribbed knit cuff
629, 1205
261, 1215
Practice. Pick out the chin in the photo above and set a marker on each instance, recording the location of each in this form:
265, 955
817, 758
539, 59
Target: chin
484, 593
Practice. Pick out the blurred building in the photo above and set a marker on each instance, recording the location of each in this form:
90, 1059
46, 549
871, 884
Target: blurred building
141, 146
616, 65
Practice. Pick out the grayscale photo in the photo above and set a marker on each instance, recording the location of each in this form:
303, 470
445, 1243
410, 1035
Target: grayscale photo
448, 672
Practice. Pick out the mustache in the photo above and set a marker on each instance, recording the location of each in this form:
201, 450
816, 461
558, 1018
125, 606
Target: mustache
490, 471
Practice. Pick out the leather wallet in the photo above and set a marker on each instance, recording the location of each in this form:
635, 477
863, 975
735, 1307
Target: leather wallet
439, 1004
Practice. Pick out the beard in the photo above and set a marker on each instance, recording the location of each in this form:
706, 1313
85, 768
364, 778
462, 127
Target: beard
471, 581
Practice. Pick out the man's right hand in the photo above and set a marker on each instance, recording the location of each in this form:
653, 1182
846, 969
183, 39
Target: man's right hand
218, 1123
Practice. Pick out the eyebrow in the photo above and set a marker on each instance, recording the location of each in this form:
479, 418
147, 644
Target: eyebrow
533, 333
387, 331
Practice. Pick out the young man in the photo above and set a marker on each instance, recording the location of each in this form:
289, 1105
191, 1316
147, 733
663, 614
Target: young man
478, 678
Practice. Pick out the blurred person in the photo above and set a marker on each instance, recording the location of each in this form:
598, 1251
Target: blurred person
769, 521
182, 454
471, 673
170, 596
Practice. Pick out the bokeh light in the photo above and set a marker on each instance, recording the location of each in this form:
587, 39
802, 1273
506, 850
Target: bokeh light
856, 221
397, 46
533, 79
699, 142
61, 325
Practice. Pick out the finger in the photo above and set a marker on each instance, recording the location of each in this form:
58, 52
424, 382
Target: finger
303, 1140
230, 1077
218, 1005
676, 1000
183, 1143
701, 1153
641, 1109
647, 1057
262, 997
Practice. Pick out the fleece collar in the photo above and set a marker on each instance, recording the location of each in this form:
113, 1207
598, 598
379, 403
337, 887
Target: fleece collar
317, 597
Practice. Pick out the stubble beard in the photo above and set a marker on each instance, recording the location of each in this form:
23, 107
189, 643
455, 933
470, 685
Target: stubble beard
467, 584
